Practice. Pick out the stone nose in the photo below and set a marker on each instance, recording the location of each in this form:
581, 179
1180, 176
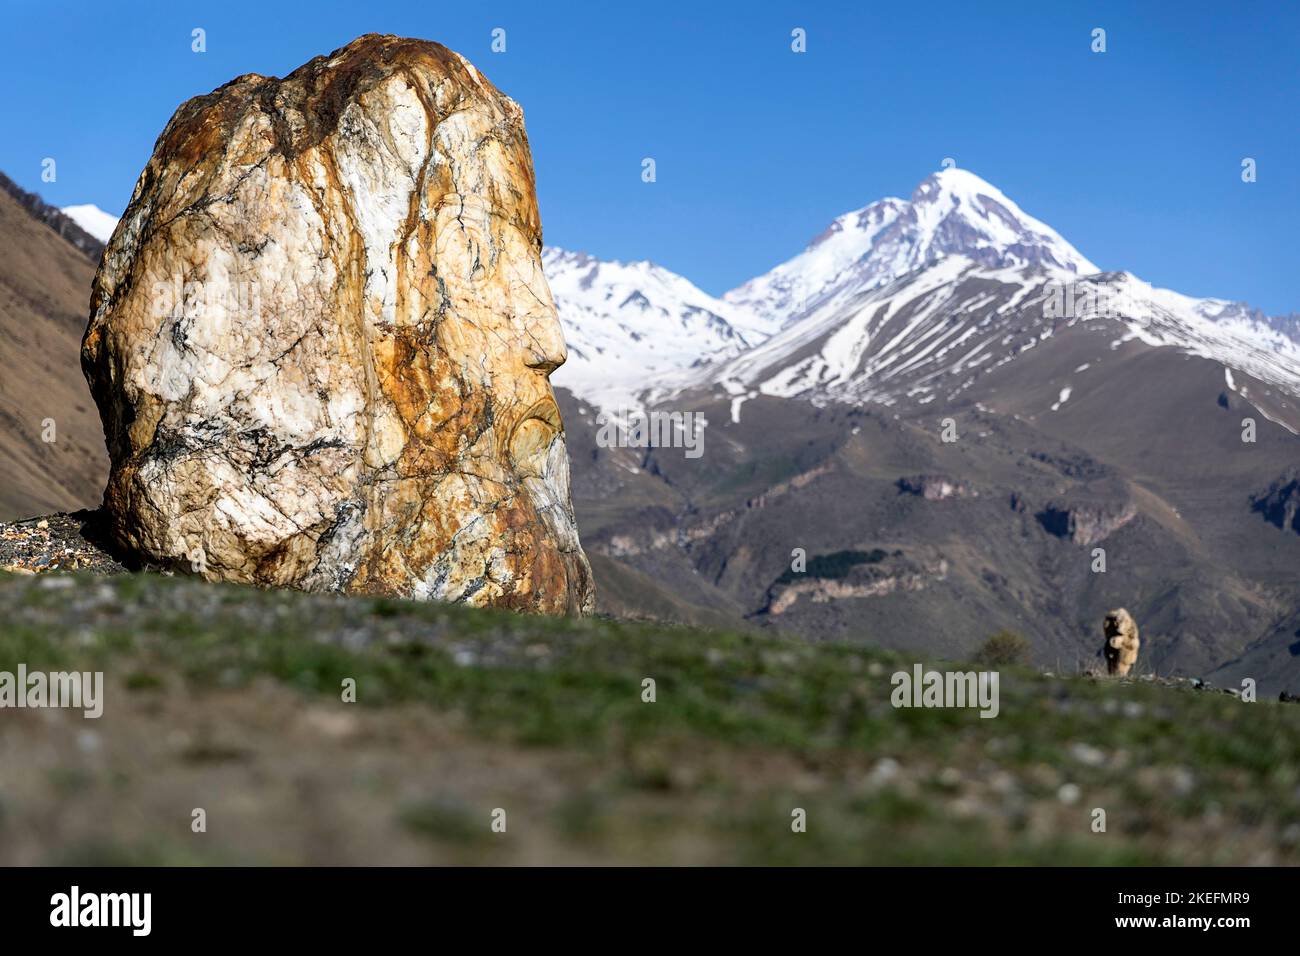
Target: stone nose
546, 350
547, 365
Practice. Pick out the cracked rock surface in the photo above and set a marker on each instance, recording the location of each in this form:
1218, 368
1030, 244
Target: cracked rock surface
320, 341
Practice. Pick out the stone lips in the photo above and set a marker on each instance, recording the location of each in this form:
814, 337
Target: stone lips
321, 341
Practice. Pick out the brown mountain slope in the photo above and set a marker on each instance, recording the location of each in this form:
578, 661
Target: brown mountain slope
924, 546
44, 291
53, 217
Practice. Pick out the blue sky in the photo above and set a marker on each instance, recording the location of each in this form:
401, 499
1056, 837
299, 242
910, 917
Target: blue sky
1134, 154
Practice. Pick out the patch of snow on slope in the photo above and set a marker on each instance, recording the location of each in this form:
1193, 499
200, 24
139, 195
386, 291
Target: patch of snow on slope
793, 287
1161, 317
92, 219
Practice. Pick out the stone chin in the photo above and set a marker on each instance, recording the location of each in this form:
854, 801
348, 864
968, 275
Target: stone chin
520, 548
540, 460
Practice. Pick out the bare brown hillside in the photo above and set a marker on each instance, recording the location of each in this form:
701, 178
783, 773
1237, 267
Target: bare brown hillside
44, 292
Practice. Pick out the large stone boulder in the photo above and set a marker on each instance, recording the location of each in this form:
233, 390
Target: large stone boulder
321, 341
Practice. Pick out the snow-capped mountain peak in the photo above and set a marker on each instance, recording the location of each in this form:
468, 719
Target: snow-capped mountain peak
630, 323
951, 213
955, 212
899, 302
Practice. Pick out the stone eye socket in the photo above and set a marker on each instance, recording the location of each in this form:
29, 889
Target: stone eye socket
467, 244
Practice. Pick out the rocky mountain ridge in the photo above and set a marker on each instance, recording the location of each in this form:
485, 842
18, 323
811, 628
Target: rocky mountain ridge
65, 225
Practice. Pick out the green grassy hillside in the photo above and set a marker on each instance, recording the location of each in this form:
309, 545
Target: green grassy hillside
229, 700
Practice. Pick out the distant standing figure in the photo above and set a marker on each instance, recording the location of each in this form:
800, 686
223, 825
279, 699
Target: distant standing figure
1121, 649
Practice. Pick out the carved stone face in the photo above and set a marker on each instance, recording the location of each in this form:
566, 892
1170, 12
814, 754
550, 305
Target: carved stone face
357, 395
